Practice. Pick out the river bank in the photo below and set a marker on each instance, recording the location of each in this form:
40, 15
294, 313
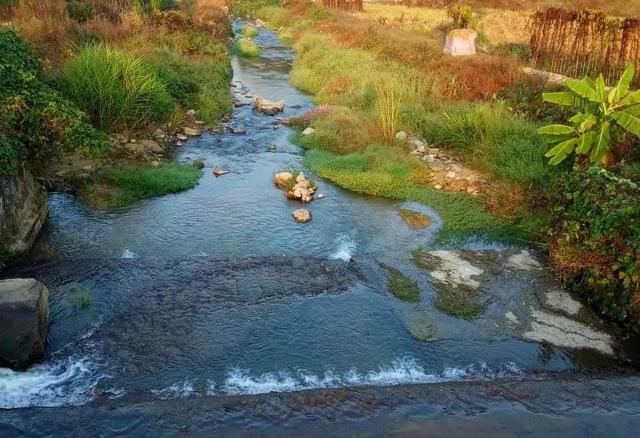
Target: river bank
113, 90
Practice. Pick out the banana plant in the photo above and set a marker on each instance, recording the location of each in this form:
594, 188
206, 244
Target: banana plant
603, 113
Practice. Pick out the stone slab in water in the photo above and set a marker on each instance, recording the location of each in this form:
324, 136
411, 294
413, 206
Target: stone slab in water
24, 321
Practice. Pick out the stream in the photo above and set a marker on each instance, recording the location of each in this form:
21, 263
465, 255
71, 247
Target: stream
213, 310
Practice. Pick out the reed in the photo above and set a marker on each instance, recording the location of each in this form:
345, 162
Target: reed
584, 43
388, 111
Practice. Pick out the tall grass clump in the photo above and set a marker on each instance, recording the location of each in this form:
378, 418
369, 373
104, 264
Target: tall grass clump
341, 131
388, 114
250, 31
116, 89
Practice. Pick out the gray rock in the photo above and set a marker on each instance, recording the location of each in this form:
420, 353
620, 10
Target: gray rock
159, 134
198, 163
24, 322
23, 211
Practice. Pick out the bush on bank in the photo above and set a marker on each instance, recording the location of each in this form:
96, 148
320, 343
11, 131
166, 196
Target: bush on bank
596, 241
36, 121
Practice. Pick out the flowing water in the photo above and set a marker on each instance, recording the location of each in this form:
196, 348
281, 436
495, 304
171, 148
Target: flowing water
217, 294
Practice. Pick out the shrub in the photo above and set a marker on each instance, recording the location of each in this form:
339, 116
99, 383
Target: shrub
461, 16
246, 48
524, 99
117, 90
36, 122
597, 241
81, 10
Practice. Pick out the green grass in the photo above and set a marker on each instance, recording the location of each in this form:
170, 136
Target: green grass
463, 216
249, 8
116, 89
200, 82
122, 186
246, 48
493, 139
400, 286
341, 131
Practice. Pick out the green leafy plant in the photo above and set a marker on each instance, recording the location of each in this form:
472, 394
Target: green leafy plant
36, 122
603, 114
461, 15
81, 10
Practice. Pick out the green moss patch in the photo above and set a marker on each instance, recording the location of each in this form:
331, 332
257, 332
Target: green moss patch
246, 48
459, 303
122, 186
400, 286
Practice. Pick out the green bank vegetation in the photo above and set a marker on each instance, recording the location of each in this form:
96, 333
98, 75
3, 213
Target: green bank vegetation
121, 186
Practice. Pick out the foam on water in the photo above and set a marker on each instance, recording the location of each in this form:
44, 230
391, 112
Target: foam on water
68, 382
346, 248
401, 371
128, 254
177, 390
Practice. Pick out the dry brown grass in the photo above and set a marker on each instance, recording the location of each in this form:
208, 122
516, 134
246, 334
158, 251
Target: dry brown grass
618, 7
46, 24
475, 78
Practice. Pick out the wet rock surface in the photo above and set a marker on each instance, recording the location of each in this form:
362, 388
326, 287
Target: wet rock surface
23, 212
510, 293
24, 322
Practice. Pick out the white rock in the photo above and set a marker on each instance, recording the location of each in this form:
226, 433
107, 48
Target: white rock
461, 42
308, 131
401, 136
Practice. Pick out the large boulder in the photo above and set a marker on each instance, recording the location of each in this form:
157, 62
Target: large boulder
24, 322
23, 211
461, 42
268, 106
